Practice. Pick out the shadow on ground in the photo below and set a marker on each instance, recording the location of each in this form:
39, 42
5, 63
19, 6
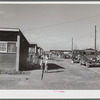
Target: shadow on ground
55, 71
94, 66
57, 60
52, 66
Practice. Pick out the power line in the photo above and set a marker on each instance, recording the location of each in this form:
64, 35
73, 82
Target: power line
80, 37
65, 22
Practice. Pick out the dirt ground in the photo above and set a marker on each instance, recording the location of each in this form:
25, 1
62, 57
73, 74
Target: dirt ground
62, 74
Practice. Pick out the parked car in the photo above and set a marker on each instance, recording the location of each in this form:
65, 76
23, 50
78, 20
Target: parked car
75, 58
75, 55
66, 56
89, 60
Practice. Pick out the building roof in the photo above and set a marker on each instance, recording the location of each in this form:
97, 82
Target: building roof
32, 45
77, 50
61, 50
38, 47
89, 49
10, 29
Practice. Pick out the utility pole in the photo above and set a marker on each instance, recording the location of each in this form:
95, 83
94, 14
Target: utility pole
72, 46
95, 42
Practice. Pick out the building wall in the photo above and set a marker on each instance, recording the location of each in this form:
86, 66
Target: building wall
8, 59
24, 46
8, 36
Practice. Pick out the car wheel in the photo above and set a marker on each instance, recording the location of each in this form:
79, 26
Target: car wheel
87, 65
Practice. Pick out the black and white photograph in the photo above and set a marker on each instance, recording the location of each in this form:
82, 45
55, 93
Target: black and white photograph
49, 46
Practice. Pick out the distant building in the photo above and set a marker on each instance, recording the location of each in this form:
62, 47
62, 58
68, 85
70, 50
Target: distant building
33, 48
90, 51
58, 52
32, 54
13, 49
40, 51
78, 52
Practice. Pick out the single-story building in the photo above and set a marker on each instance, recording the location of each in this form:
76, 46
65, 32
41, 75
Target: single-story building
40, 51
90, 51
32, 53
81, 52
13, 49
33, 61
32, 48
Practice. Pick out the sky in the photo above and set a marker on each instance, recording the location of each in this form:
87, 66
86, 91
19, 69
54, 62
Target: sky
52, 26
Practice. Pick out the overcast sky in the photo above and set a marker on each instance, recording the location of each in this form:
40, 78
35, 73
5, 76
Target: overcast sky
52, 26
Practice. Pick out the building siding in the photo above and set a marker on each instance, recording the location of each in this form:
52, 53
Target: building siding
24, 46
8, 61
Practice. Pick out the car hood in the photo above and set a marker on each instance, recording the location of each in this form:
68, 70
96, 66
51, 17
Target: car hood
91, 57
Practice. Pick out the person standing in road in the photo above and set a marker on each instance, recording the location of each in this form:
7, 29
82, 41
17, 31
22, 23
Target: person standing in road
45, 63
41, 61
50, 55
42, 65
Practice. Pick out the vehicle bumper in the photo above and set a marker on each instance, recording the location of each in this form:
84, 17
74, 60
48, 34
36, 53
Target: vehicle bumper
94, 64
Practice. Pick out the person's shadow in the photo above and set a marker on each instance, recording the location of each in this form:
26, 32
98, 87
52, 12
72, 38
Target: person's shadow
52, 66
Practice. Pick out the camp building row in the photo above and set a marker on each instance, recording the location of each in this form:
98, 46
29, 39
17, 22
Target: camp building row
15, 49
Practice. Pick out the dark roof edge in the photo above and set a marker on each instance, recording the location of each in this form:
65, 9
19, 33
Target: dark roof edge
9, 29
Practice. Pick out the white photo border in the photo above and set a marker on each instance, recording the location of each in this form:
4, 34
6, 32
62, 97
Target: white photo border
50, 94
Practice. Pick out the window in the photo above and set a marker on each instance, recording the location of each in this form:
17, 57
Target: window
3, 46
11, 47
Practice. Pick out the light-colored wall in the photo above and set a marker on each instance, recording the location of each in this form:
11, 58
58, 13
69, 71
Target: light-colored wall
8, 61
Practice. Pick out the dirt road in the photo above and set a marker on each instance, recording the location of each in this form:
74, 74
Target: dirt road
62, 74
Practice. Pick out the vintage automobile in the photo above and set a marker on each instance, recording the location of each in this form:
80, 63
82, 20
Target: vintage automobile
75, 58
75, 55
89, 60
66, 56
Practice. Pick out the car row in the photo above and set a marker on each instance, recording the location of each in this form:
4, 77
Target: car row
88, 59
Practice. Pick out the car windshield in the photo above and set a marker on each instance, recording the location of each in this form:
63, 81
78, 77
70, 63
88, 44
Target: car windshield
90, 57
